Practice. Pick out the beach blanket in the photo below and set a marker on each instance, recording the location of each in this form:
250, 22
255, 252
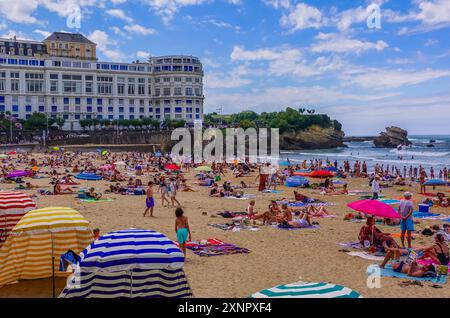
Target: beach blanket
90, 200
272, 191
230, 215
390, 201
281, 227
234, 227
389, 272
352, 244
427, 216
244, 197
216, 249
367, 255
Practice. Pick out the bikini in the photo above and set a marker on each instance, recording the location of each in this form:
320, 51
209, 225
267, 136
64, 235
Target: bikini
442, 257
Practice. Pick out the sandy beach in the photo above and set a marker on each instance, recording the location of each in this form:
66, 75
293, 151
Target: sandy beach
276, 256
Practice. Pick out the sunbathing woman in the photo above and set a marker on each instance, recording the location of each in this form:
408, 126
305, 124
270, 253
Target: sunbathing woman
438, 252
57, 189
301, 222
317, 211
269, 216
93, 195
369, 232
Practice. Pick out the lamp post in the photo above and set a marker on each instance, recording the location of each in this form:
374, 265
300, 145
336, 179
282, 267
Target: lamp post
220, 109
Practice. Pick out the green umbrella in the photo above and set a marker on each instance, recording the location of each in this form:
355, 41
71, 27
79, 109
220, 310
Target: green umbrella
307, 290
203, 168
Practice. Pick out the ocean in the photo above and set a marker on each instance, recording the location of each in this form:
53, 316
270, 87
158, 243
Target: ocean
418, 154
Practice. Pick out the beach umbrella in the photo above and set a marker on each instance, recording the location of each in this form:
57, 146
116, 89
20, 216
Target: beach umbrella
293, 182
203, 168
374, 208
88, 176
3, 156
37, 239
285, 163
172, 167
435, 182
12, 153
56, 148
130, 263
18, 174
13, 205
307, 290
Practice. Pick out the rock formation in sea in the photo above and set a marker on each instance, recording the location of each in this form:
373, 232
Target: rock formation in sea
315, 137
392, 138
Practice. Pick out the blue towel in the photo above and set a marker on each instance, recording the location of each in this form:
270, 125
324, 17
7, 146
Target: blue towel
389, 272
422, 215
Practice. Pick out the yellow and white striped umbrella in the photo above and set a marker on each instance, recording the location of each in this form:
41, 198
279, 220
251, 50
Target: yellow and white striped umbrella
40, 235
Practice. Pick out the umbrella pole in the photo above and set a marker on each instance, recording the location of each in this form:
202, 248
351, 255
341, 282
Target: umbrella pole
53, 268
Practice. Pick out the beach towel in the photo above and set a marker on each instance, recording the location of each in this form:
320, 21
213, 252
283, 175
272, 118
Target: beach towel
352, 244
367, 255
272, 191
282, 227
90, 200
389, 272
426, 216
234, 227
216, 249
390, 201
244, 197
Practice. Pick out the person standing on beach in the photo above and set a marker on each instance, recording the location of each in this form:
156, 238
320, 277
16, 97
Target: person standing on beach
422, 178
182, 229
405, 210
149, 200
375, 188
172, 189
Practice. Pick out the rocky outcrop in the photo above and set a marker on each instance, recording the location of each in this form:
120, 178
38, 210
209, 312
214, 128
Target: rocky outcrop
392, 138
314, 137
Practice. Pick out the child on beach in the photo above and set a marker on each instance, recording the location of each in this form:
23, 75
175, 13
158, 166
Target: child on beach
149, 200
96, 233
251, 209
182, 229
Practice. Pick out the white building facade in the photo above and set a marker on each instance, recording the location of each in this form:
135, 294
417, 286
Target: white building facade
169, 87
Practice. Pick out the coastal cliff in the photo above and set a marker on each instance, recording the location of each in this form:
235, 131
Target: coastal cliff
392, 138
315, 137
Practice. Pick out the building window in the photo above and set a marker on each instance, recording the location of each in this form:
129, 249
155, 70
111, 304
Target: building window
28, 108
41, 109
66, 100
110, 109
89, 109
99, 109
54, 109
99, 101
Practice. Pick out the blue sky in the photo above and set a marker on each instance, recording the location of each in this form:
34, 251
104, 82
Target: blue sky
265, 55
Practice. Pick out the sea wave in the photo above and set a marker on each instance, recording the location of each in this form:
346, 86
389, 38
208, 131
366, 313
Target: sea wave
421, 154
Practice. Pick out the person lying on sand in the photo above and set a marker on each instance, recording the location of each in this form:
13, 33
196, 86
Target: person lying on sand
301, 222
337, 192
57, 189
93, 195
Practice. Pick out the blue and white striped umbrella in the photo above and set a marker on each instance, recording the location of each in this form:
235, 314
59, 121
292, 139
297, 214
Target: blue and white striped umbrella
129, 263
131, 249
307, 290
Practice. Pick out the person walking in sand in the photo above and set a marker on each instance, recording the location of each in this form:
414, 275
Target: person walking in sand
149, 200
182, 229
375, 188
163, 188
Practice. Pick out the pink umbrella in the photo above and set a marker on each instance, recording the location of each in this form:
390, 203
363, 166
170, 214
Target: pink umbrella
375, 208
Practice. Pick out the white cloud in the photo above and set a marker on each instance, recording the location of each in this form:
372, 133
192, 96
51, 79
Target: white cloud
19, 11
139, 29
143, 55
106, 46
331, 42
302, 16
43, 33
389, 79
117, 13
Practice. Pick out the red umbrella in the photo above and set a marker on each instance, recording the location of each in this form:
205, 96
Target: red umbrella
321, 174
375, 208
13, 205
172, 167
12, 153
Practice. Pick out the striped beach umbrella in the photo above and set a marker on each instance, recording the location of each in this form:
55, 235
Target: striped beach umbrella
129, 263
13, 205
307, 290
37, 239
